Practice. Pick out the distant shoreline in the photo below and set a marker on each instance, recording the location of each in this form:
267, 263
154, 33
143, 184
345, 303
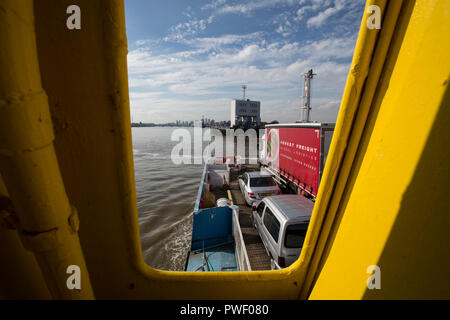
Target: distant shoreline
137, 125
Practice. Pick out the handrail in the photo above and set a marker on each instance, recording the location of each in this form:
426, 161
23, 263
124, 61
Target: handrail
241, 249
200, 190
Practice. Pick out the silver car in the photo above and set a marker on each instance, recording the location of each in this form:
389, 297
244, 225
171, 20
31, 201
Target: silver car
257, 185
282, 222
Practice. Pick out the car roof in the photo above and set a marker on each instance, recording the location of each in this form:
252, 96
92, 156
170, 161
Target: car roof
256, 174
291, 206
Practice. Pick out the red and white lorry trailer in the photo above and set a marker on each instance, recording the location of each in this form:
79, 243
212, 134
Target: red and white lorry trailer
295, 154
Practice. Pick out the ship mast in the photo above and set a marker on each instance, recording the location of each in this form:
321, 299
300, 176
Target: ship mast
306, 108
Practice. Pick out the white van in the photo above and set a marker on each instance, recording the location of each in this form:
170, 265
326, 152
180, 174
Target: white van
282, 222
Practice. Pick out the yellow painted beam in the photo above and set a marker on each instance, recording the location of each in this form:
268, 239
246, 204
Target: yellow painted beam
19, 271
358, 95
28, 161
394, 210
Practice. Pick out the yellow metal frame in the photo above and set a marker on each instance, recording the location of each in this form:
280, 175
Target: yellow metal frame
83, 153
28, 158
390, 206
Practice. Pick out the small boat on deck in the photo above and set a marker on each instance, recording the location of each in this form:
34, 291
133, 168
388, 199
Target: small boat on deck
217, 242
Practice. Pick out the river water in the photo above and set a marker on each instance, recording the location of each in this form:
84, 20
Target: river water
165, 197
166, 193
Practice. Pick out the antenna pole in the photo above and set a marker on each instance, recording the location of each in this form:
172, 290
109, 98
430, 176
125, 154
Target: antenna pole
244, 87
306, 108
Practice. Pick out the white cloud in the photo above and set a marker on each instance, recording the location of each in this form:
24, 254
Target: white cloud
213, 5
319, 19
197, 82
336, 48
208, 43
328, 104
206, 73
249, 7
189, 28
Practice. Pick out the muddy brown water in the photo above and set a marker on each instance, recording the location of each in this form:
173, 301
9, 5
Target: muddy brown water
166, 196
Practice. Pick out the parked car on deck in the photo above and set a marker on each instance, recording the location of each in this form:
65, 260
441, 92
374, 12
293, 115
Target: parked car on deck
282, 222
257, 185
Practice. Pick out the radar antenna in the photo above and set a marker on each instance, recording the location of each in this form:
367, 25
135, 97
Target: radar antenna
244, 87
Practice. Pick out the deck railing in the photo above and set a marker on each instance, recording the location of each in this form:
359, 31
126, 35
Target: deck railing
241, 250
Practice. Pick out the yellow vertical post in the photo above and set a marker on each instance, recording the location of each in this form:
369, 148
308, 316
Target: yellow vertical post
46, 221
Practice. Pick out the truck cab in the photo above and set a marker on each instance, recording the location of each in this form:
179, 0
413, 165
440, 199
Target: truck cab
282, 222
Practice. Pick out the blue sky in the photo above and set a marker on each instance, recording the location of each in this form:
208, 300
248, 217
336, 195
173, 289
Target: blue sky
189, 58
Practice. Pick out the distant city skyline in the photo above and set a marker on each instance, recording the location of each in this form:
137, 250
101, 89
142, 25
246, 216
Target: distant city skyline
190, 59
177, 121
